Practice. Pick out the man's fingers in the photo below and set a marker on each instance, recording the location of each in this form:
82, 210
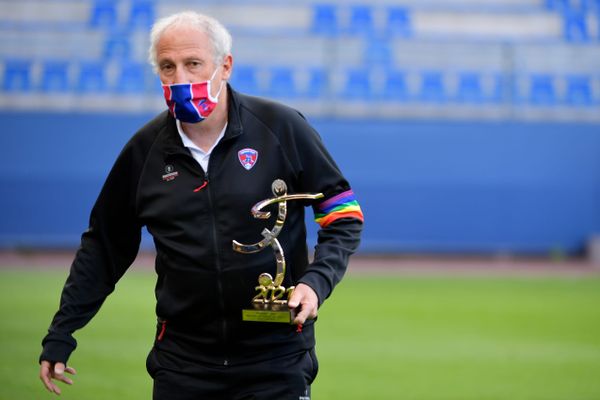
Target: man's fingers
301, 317
46, 377
59, 373
49, 371
305, 301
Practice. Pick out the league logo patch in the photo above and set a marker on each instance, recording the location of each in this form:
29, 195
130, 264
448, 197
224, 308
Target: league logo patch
248, 158
170, 173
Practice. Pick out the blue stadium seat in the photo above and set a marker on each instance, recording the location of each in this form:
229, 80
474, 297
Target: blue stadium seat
318, 83
17, 75
92, 78
55, 76
469, 88
358, 84
142, 14
542, 90
579, 90
432, 87
361, 20
244, 79
281, 83
132, 78
117, 46
103, 14
398, 22
325, 19
564, 5
557, 5
395, 88
575, 26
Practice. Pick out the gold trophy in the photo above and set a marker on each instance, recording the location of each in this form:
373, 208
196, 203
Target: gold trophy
271, 301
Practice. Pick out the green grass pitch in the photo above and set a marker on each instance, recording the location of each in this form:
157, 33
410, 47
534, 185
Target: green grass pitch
390, 337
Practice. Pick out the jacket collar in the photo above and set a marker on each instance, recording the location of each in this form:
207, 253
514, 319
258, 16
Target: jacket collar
172, 140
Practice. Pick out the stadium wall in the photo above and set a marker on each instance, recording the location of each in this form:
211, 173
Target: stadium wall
425, 186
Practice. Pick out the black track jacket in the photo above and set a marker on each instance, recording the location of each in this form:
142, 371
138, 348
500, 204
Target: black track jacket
193, 217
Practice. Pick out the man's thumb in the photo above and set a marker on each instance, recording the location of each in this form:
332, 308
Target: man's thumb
59, 368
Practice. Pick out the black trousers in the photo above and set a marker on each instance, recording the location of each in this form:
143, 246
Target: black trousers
282, 378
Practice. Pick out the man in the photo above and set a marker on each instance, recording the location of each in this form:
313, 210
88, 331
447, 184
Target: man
191, 176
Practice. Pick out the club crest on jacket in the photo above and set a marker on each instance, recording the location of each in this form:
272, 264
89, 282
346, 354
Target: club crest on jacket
248, 157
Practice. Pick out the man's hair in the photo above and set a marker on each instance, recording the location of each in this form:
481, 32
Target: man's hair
218, 35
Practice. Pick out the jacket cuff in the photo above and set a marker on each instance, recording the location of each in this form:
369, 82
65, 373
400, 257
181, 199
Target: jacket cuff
57, 350
318, 283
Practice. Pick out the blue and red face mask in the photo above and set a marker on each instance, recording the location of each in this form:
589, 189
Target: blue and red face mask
191, 102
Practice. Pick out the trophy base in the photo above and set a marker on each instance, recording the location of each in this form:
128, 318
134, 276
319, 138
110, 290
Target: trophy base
262, 313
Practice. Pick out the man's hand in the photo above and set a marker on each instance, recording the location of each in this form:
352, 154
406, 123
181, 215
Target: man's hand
306, 303
50, 371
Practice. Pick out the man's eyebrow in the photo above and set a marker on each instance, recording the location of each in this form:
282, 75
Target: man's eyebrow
164, 60
194, 58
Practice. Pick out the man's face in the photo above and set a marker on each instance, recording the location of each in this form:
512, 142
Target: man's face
185, 55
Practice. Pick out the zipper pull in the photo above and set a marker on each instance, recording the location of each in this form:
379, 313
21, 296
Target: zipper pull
163, 329
199, 188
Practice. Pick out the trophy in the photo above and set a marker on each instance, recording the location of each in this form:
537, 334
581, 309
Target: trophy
271, 301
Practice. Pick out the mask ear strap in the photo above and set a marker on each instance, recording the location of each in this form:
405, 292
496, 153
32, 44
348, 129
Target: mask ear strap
213, 74
214, 99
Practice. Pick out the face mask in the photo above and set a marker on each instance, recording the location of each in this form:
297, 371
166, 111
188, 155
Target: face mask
191, 102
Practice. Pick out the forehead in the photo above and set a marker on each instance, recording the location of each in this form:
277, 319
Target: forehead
183, 41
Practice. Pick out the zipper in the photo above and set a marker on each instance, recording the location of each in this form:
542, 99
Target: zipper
163, 329
199, 188
217, 264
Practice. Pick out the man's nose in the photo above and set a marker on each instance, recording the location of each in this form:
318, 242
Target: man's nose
180, 75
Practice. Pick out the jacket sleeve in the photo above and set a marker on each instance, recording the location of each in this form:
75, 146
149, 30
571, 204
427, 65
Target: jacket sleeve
108, 247
338, 214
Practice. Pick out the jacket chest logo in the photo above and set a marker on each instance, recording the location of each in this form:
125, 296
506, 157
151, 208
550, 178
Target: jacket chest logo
248, 158
170, 173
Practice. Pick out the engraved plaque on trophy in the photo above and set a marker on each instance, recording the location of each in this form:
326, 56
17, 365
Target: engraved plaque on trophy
271, 301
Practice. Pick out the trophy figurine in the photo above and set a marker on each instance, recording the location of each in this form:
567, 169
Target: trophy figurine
271, 301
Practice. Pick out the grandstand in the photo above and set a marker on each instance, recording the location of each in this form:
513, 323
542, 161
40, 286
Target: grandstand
439, 67
495, 58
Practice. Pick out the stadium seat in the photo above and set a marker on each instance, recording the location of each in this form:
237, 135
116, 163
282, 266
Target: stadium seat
564, 5
117, 46
55, 76
542, 90
17, 75
398, 22
318, 83
131, 78
469, 88
103, 14
557, 5
91, 78
395, 88
575, 26
142, 14
432, 87
325, 20
281, 82
358, 84
244, 79
361, 20
579, 90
